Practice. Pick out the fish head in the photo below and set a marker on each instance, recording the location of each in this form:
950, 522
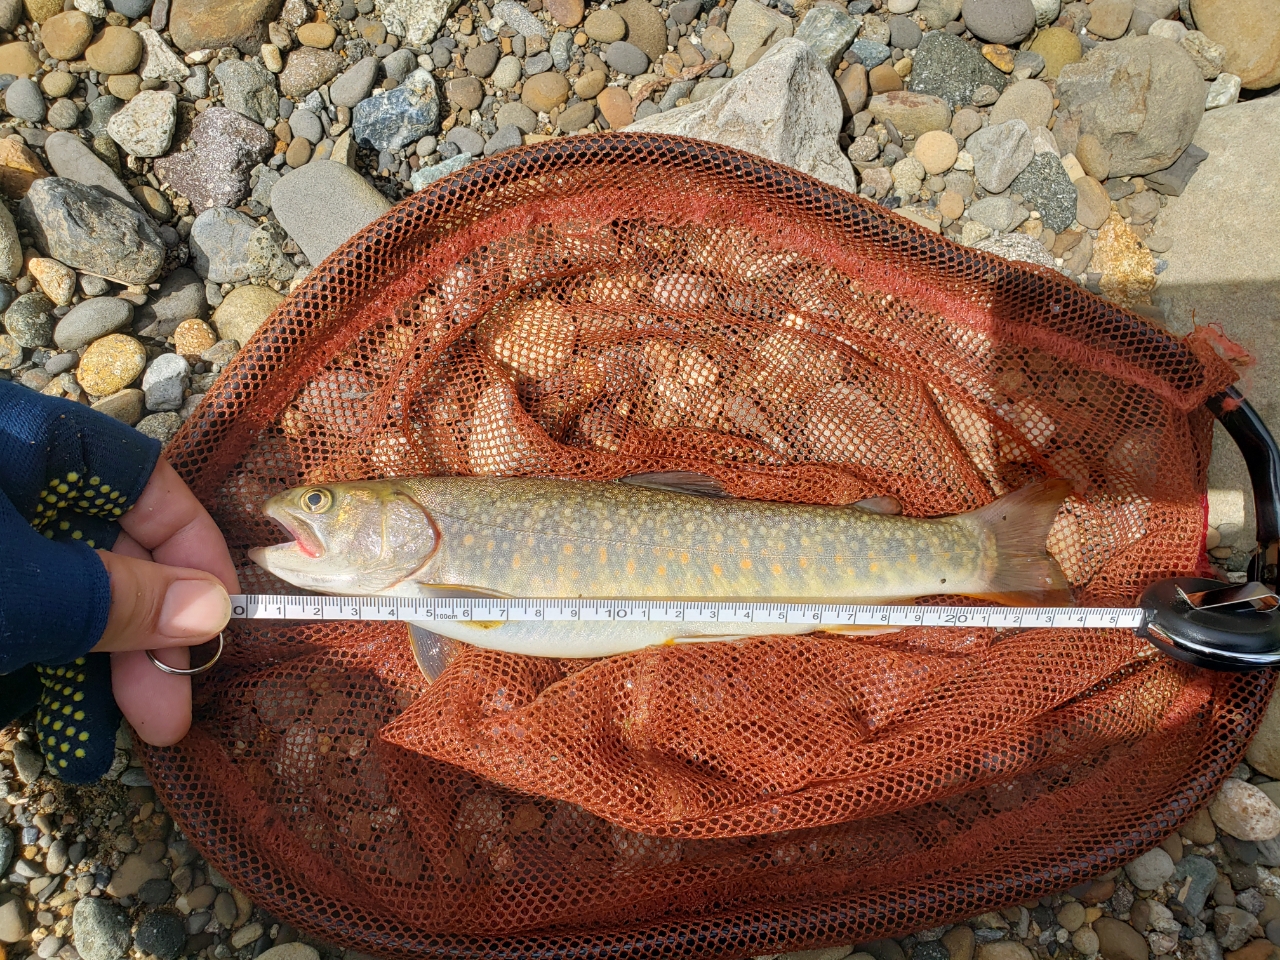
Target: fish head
358, 538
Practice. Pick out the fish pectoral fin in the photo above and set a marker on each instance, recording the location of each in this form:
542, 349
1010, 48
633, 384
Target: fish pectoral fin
678, 481
432, 651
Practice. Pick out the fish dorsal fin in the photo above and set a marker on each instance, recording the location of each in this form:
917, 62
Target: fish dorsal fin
679, 481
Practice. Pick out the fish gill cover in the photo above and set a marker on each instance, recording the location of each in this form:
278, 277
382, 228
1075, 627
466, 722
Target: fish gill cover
624, 304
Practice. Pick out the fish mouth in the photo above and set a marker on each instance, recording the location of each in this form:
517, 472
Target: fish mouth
304, 537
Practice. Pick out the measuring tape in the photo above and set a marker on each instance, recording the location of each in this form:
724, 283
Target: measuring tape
273, 607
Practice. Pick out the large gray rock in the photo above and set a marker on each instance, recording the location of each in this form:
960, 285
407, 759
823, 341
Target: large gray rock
355, 83
397, 119
101, 929
71, 158
785, 109
91, 320
1142, 97
323, 203
215, 171
1000, 153
1224, 267
91, 231
415, 20
219, 239
180, 297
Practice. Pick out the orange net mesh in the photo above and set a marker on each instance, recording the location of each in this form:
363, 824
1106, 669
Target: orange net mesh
603, 306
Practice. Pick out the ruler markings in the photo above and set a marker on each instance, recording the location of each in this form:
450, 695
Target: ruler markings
273, 607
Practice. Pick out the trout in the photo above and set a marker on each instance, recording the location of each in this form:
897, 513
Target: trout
435, 536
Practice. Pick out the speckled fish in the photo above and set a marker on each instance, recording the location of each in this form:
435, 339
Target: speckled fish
565, 538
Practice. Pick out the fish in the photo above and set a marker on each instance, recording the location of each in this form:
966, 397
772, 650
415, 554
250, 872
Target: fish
656, 537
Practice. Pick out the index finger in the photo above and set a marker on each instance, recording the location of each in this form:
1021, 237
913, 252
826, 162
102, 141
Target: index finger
170, 522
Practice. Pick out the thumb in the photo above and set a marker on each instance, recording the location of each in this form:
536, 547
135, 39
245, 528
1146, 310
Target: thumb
154, 606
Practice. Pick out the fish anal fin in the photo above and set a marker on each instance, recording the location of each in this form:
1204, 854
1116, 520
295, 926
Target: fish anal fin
884, 506
856, 630
679, 481
1050, 596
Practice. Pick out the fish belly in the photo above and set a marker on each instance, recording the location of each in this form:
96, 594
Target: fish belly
572, 640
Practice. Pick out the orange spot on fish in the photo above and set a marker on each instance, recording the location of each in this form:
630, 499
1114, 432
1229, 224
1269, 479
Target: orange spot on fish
568, 548
777, 569
669, 642
468, 540
631, 567
745, 563
717, 569
515, 562
804, 563
662, 571
604, 555
684, 558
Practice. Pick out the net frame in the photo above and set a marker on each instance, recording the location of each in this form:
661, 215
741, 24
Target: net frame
267, 372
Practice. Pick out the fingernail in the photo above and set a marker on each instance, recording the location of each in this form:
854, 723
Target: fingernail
194, 608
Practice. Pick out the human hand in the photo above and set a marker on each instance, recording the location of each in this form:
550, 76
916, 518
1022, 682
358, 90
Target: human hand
170, 576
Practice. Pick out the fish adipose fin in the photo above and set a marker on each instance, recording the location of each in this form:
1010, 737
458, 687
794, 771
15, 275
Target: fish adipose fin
1025, 574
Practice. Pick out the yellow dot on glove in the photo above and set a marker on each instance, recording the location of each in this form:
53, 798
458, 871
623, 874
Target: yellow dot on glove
79, 753
79, 715
83, 736
64, 747
73, 476
94, 481
62, 488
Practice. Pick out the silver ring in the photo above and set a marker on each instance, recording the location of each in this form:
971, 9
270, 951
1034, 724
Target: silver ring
192, 671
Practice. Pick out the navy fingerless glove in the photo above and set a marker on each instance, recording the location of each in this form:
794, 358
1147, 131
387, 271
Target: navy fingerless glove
67, 475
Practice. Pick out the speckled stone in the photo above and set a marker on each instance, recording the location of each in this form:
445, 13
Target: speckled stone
1047, 187
29, 320
1128, 276
215, 172
111, 364
947, 67
306, 69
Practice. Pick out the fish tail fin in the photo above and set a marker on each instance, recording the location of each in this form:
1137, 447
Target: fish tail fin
1025, 573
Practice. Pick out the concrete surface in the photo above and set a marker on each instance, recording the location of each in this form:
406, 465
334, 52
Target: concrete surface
1224, 267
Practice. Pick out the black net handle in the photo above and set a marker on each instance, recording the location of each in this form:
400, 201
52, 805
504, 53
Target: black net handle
1262, 458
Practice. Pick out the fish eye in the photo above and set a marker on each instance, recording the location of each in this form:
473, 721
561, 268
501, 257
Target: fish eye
316, 500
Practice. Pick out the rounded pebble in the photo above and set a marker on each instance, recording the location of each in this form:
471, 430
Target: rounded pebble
111, 364
937, 151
